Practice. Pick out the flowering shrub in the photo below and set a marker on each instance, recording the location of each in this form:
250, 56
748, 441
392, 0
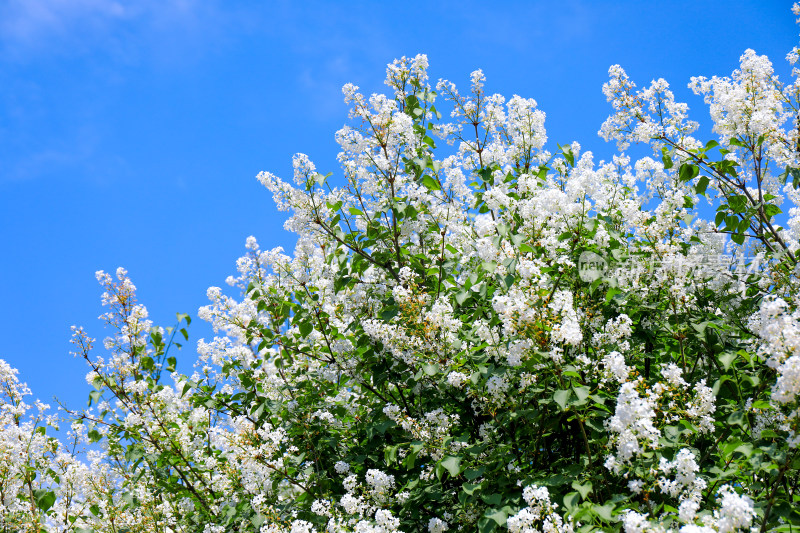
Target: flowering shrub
473, 333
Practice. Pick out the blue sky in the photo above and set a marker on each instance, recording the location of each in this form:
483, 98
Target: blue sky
131, 132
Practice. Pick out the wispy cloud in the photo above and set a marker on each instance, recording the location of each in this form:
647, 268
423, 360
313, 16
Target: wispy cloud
27, 23
78, 153
76, 26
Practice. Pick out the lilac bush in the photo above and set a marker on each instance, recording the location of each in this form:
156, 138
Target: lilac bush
439, 354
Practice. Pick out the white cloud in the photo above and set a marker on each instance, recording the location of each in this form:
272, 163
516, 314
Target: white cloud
70, 26
26, 21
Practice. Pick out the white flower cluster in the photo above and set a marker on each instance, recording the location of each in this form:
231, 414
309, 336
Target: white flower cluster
643, 115
734, 513
751, 104
540, 512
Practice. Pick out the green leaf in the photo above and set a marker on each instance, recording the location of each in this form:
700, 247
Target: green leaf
701, 186
486, 526
471, 474
745, 449
44, 499
604, 511
738, 418
613, 291
492, 499
561, 397
584, 489
795, 174
430, 369
134, 453
571, 500
497, 516
94, 435
430, 183
733, 141
390, 454
568, 155
470, 488
452, 464
461, 297
688, 172
305, 328
744, 225
738, 203
727, 359
667, 160
389, 313
94, 397
582, 393
771, 210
